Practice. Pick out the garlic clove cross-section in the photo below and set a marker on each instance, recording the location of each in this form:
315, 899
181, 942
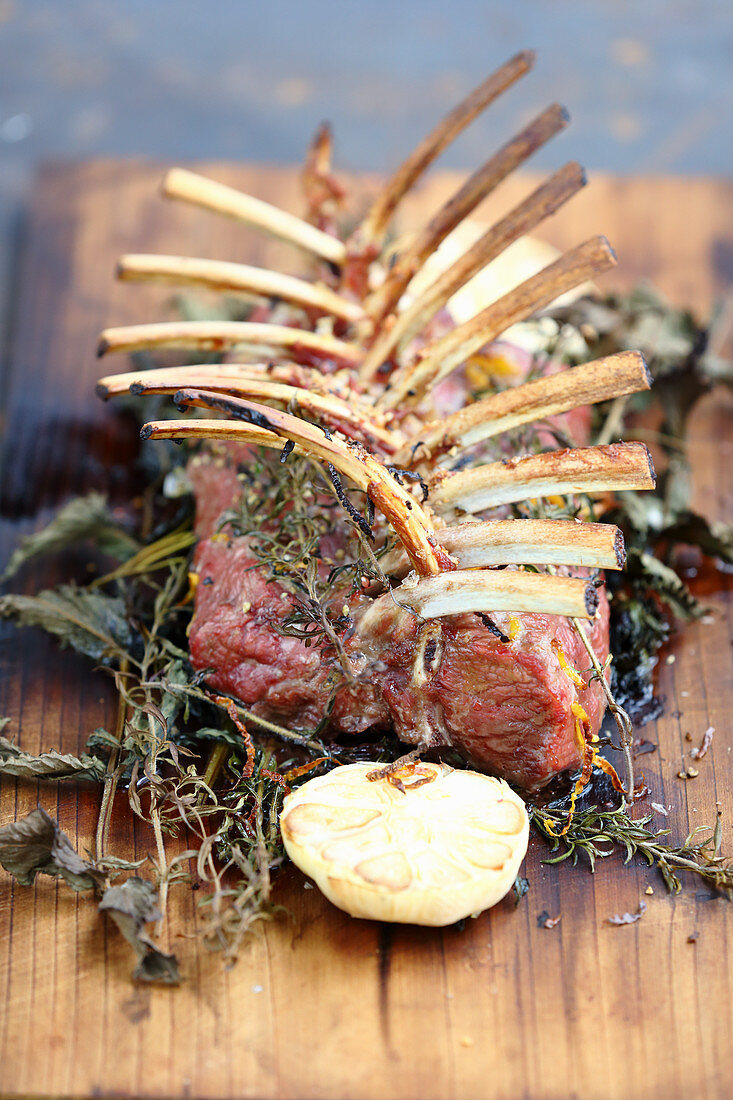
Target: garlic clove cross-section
424, 845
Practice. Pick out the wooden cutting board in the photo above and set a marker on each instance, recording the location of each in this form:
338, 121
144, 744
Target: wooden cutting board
320, 1005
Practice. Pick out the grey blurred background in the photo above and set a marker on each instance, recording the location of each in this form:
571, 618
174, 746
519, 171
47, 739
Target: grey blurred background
649, 83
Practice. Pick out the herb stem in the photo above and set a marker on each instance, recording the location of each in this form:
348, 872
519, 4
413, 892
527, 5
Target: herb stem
614, 421
217, 758
112, 776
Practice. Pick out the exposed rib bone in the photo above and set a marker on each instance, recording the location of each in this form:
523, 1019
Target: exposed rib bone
498, 590
609, 468
240, 278
179, 183
292, 374
603, 379
301, 344
545, 200
323, 192
202, 428
373, 229
525, 542
401, 510
337, 413
445, 354
459, 206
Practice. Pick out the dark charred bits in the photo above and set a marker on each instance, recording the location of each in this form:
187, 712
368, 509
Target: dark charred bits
398, 473
491, 625
346, 504
238, 409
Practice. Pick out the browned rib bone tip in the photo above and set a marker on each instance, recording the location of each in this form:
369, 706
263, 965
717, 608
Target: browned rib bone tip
620, 548
217, 335
223, 275
400, 509
223, 199
591, 600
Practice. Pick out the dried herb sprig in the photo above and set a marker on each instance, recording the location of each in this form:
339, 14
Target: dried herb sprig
598, 834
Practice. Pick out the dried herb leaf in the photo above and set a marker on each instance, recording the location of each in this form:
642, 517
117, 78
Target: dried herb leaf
84, 518
628, 918
131, 906
36, 845
90, 622
48, 765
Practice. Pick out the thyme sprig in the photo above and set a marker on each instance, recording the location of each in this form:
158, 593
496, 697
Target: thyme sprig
598, 834
287, 515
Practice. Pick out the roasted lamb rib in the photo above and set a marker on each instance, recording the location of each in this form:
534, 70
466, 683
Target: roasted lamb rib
466, 631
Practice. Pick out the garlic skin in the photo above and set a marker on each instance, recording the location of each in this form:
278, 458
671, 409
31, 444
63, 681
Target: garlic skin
427, 845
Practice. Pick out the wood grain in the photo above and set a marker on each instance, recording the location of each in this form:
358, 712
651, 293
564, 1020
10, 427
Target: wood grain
320, 1005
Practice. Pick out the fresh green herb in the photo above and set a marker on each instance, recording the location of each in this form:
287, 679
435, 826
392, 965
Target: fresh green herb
287, 513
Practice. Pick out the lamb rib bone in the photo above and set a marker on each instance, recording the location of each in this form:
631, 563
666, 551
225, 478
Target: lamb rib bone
401, 510
608, 468
293, 374
445, 354
487, 590
239, 278
180, 183
613, 376
543, 202
333, 410
204, 428
480, 589
217, 335
525, 542
476, 188
374, 227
